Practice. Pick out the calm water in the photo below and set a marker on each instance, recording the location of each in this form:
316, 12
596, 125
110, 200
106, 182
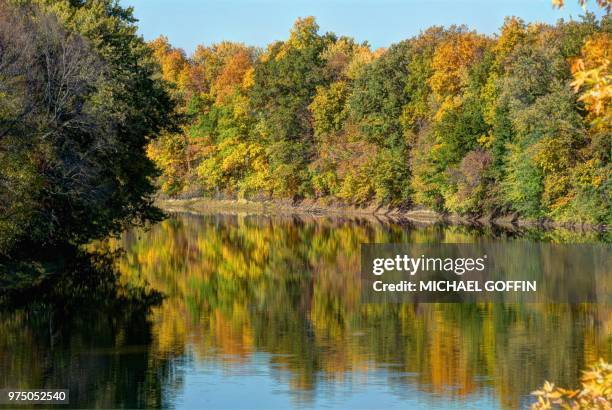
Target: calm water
237, 311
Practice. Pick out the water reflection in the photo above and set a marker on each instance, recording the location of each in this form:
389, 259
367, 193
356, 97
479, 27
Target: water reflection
265, 312
238, 285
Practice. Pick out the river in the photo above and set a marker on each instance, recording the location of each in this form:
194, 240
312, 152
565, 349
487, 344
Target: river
254, 311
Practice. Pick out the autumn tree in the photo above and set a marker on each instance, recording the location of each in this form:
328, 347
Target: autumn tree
450, 119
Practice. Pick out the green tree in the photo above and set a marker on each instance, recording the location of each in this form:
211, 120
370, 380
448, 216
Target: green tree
285, 81
80, 107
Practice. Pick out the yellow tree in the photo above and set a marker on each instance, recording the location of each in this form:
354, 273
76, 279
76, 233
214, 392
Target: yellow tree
592, 76
173, 63
592, 71
451, 62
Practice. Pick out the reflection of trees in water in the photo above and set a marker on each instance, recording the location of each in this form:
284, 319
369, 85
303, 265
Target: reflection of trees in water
288, 287
239, 284
70, 323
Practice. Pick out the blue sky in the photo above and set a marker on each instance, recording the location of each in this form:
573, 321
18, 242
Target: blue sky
381, 22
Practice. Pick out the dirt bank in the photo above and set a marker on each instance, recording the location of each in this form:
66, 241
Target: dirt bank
317, 207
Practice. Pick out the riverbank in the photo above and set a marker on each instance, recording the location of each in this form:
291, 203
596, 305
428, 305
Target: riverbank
318, 207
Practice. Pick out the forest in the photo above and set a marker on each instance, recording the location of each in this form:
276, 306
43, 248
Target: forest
95, 122
517, 123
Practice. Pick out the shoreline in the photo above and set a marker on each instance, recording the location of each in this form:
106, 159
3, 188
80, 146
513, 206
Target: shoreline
319, 208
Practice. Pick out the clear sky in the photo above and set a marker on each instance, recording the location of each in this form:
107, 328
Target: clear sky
381, 22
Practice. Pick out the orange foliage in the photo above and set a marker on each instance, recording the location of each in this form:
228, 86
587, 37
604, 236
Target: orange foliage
452, 59
591, 73
605, 4
232, 73
174, 64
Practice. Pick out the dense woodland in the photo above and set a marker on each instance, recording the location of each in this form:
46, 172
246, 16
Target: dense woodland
94, 121
450, 120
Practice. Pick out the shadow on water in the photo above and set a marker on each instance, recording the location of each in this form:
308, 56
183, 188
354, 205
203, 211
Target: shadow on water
67, 321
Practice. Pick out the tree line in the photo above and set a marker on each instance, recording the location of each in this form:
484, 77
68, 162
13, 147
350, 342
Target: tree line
94, 120
453, 120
